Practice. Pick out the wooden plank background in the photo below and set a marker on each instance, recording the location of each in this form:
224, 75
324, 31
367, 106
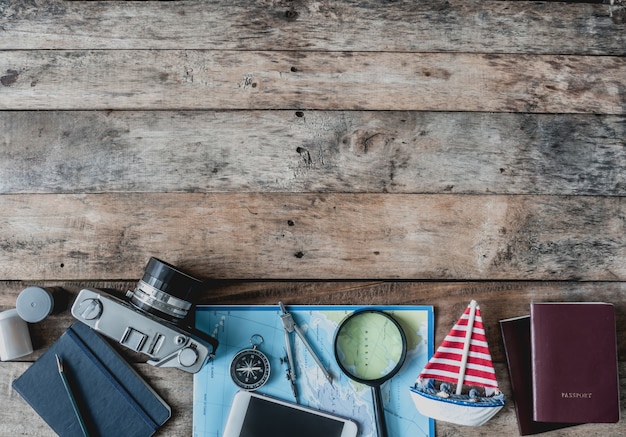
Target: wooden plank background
424, 152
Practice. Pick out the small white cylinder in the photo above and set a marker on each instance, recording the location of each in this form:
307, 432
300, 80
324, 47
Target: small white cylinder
34, 304
14, 336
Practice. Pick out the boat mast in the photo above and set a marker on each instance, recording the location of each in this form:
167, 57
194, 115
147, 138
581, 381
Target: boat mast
466, 346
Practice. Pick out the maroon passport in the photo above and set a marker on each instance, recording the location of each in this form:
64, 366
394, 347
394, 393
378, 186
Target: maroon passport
574, 362
516, 340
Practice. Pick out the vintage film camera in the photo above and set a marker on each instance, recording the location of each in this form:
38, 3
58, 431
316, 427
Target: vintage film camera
153, 319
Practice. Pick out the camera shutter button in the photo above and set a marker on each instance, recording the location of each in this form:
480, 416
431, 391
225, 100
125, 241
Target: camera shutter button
187, 357
90, 309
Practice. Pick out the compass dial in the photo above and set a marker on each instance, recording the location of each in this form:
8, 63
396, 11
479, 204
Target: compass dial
250, 369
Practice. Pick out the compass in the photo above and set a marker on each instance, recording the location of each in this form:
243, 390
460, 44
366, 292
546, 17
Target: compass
250, 368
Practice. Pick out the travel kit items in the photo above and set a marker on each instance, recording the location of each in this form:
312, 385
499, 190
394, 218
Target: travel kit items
562, 362
353, 344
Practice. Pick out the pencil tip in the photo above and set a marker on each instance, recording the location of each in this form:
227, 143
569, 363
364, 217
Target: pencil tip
59, 364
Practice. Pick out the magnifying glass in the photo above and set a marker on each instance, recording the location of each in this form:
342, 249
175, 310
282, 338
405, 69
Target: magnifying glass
370, 347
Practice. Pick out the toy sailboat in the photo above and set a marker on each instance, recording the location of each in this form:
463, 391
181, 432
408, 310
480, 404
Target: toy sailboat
462, 359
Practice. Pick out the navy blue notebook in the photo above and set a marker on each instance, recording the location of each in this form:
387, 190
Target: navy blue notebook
112, 397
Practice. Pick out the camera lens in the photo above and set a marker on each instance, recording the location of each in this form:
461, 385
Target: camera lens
165, 291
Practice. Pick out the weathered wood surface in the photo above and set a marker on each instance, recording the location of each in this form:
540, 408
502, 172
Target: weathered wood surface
460, 148
193, 79
328, 236
312, 151
404, 26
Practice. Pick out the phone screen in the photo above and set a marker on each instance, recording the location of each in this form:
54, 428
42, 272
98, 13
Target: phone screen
265, 418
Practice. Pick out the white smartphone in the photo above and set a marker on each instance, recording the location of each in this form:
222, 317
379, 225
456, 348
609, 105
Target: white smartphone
256, 415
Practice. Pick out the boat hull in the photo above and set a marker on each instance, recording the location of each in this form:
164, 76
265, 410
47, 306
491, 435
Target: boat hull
453, 411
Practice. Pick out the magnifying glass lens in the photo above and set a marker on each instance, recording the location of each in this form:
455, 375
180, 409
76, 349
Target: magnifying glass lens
370, 346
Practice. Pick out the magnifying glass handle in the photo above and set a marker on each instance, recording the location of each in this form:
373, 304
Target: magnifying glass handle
379, 412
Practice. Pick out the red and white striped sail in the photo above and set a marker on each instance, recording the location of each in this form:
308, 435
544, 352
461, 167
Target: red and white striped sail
447, 363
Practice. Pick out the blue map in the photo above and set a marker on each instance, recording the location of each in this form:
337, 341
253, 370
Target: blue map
234, 326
